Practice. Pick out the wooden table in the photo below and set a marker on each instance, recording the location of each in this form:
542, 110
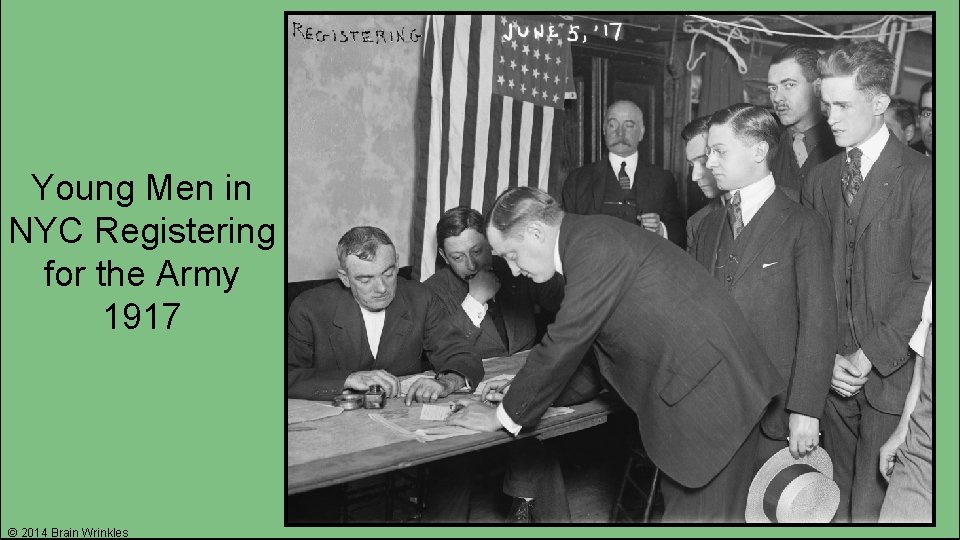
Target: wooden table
352, 446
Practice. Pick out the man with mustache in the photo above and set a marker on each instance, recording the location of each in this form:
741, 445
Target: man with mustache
805, 141
877, 196
925, 120
371, 327
623, 185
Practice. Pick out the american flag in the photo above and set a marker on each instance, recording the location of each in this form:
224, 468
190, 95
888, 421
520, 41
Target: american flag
491, 89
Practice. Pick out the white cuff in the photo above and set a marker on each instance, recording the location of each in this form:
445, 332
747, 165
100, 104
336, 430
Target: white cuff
663, 231
474, 309
507, 423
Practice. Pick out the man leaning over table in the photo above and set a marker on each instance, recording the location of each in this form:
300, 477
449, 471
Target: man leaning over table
371, 327
495, 310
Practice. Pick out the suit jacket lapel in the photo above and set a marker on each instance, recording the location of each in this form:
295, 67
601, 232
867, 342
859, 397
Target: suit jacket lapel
599, 185
640, 186
879, 183
712, 228
397, 324
766, 223
350, 337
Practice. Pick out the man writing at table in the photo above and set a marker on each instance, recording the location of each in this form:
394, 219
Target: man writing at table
372, 327
495, 311
667, 337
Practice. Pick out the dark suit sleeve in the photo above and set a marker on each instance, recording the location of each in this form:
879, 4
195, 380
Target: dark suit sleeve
548, 295
817, 306
304, 379
568, 195
691, 237
888, 339
672, 217
457, 317
447, 349
594, 279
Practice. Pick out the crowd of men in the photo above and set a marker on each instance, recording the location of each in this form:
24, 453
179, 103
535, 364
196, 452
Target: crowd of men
798, 320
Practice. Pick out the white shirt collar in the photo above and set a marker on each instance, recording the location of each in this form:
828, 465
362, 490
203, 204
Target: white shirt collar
373, 321
753, 196
631, 160
871, 149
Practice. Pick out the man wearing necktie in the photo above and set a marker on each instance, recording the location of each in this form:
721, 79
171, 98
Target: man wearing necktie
494, 311
805, 140
623, 185
773, 256
877, 197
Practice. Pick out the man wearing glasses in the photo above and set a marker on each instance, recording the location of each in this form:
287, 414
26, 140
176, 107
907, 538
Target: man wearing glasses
623, 185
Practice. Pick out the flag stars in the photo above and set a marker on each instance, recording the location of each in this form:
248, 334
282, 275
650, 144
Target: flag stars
500, 80
556, 79
526, 50
536, 53
524, 69
555, 98
503, 20
513, 44
523, 89
546, 57
534, 92
536, 73
513, 65
546, 77
558, 60
501, 58
510, 83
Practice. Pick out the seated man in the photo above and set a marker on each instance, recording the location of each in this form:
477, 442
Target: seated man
495, 310
371, 327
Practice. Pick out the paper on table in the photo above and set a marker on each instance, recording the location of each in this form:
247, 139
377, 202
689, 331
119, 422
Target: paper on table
301, 410
435, 412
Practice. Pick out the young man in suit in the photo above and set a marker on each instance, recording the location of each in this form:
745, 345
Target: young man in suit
694, 136
805, 141
925, 120
372, 327
622, 185
494, 310
773, 256
877, 198
669, 340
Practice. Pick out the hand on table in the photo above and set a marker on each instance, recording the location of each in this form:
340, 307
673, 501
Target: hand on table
363, 380
496, 390
476, 416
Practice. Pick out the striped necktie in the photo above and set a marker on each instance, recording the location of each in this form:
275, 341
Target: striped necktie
623, 177
734, 214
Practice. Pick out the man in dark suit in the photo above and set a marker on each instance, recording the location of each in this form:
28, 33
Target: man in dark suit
667, 337
773, 256
495, 311
877, 199
694, 136
622, 185
924, 145
372, 327
806, 140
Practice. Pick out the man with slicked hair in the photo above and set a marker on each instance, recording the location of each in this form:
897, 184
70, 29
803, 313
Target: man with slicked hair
925, 120
622, 185
773, 256
806, 140
371, 327
877, 196
668, 339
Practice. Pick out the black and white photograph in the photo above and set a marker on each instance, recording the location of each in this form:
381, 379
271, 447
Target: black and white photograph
609, 268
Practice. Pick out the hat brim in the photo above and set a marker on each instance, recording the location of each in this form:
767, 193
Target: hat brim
818, 459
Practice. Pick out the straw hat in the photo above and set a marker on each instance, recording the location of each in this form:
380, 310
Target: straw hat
788, 490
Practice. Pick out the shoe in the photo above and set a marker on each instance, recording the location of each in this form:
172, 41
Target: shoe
521, 511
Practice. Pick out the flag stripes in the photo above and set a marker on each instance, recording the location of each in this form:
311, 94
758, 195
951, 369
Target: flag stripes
472, 143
